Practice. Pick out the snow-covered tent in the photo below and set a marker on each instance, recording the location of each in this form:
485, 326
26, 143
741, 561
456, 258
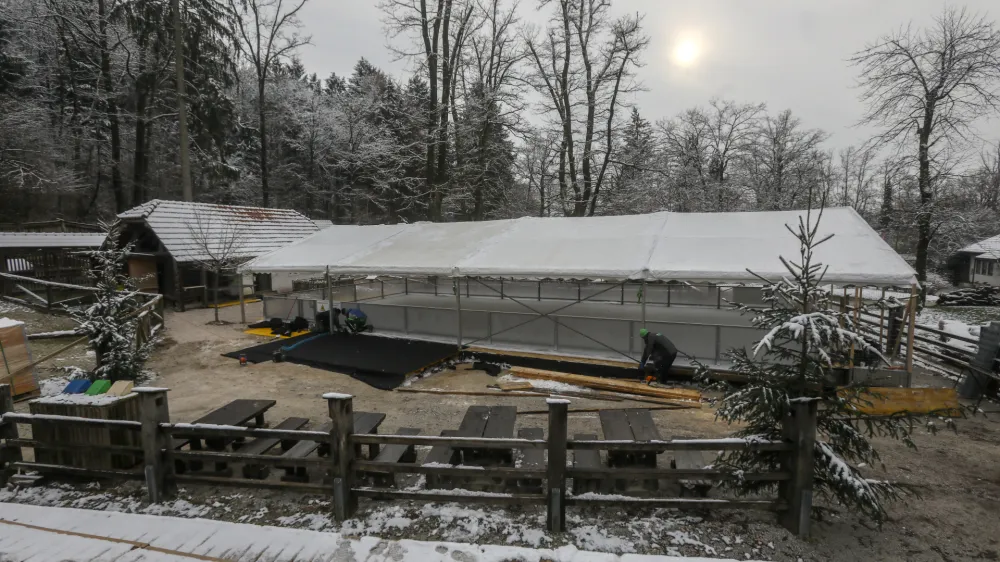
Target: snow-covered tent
659, 246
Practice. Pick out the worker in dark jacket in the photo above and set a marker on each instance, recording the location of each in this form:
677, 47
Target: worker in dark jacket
658, 355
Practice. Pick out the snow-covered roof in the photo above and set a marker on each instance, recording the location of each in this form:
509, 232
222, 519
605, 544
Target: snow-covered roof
178, 225
51, 240
989, 246
664, 246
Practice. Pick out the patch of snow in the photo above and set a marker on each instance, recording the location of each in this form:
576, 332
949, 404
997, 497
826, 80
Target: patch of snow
10, 322
141, 389
54, 385
556, 401
337, 396
56, 334
83, 399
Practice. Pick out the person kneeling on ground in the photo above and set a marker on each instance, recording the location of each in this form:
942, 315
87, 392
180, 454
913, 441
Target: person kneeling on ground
658, 355
355, 320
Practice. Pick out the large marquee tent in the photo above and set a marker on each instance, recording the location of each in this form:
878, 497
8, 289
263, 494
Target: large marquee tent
708, 247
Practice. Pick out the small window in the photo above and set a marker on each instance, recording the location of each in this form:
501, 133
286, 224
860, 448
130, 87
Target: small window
990, 263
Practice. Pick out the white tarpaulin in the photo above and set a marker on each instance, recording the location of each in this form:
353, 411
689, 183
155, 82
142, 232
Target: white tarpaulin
664, 246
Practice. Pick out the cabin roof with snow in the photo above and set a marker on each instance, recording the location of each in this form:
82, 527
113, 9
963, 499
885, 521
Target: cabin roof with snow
659, 246
35, 240
184, 227
989, 246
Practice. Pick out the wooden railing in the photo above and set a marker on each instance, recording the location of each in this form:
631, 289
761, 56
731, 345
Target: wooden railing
160, 459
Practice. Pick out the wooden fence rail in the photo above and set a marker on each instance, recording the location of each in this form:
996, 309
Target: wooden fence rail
160, 459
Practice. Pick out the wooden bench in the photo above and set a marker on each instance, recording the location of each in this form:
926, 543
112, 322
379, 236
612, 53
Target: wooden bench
586, 459
693, 460
301, 450
264, 444
633, 424
532, 459
442, 454
394, 453
364, 422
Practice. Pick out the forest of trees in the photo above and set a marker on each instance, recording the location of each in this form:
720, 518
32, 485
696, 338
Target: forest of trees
497, 119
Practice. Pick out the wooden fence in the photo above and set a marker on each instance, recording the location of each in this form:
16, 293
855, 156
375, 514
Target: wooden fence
160, 457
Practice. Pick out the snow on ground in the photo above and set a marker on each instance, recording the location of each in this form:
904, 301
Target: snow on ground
609, 530
87, 536
554, 386
7, 306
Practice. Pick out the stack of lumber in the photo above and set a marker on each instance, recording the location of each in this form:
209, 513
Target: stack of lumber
888, 401
609, 385
971, 296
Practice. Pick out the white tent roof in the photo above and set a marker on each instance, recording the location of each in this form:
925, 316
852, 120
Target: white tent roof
665, 246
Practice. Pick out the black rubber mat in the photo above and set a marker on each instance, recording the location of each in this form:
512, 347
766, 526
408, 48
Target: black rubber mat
381, 362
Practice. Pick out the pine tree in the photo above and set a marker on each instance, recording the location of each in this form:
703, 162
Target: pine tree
806, 339
109, 322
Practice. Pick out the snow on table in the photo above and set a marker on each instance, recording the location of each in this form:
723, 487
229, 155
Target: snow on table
9, 322
132, 537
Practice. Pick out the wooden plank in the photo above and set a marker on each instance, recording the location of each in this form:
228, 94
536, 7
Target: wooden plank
590, 410
262, 445
613, 385
438, 455
248, 483
237, 412
500, 424
472, 393
518, 385
453, 470
474, 422
585, 460
77, 471
614, 424
499, 499
367, 422
455, 441
679, 445
643, 427
679, 503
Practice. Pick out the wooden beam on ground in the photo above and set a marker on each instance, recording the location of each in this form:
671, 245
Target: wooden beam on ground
473, 393
598, 383
595, 410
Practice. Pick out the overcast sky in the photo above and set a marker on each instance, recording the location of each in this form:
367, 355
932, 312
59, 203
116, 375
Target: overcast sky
790, 54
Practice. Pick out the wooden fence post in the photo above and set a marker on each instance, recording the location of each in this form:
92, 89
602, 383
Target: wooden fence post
341, 406
799, 428
8, 430
153, 411
556, 479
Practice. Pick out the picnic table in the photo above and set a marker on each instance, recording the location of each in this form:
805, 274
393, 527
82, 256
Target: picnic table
492, 422
634, 424
237, 412
364, 422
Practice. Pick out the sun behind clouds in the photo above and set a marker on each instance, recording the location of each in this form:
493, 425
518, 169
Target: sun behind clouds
686, 52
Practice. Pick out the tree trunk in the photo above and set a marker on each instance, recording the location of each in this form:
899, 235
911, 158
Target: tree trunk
117, 189
265, 195
215, 295
187, 191
926, 200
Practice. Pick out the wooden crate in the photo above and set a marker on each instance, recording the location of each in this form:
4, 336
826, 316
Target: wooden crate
106, 408
16, 356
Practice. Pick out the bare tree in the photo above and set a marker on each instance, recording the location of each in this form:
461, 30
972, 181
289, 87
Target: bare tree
220, 246
585, 61
441, 28
927, 87
267, 32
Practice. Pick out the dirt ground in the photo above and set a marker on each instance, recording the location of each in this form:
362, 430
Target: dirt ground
956, 515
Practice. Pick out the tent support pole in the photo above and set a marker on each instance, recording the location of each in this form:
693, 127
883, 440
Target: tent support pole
243, 305
458, 309
643, 302
329, 299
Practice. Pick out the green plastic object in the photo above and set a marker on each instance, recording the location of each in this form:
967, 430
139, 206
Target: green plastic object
99, 387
